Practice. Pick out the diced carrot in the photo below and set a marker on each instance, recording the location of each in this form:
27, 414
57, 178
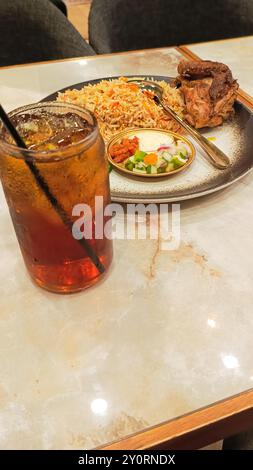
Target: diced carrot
110, 92
150, 159
114, 104
133, 86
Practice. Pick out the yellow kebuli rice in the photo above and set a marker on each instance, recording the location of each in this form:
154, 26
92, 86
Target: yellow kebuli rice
119, 105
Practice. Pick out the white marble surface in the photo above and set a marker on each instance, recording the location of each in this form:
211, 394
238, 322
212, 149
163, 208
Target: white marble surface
164, 334
236, 53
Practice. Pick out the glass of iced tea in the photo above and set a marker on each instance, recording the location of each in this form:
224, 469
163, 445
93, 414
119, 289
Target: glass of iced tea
62, 168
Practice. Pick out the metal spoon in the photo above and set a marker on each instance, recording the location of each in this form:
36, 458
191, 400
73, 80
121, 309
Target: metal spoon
216, 156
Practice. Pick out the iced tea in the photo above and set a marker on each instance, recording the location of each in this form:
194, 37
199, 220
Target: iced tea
65, 145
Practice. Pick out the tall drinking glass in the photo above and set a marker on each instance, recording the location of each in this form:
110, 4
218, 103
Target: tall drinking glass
64, 167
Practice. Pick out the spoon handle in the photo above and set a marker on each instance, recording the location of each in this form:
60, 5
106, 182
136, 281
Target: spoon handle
216, 156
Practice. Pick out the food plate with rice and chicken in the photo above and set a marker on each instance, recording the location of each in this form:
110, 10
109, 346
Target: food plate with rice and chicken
203, 95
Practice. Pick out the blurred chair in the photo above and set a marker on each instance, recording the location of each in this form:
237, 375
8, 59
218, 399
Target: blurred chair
120, 25
61, 5
242, 441
36, 30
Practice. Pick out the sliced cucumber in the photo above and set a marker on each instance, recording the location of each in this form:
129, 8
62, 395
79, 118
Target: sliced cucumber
138, 170
170, 167
140, 166
162, 169
139, 155
178, 161
167, 157
129, 166
182, 150
161, 162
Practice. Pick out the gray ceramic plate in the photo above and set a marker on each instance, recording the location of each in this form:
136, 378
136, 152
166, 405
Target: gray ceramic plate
235, 138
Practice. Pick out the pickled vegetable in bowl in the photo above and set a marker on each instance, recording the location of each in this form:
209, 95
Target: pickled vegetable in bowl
150, 152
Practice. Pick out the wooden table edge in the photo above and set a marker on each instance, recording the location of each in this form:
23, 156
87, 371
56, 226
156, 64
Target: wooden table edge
194, 430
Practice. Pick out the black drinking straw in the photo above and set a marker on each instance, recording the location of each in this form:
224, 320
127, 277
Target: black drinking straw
44, 187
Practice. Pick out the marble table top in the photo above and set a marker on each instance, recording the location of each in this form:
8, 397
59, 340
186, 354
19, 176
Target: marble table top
167, 332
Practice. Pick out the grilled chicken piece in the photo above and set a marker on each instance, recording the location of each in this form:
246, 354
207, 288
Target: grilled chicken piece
209, 92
